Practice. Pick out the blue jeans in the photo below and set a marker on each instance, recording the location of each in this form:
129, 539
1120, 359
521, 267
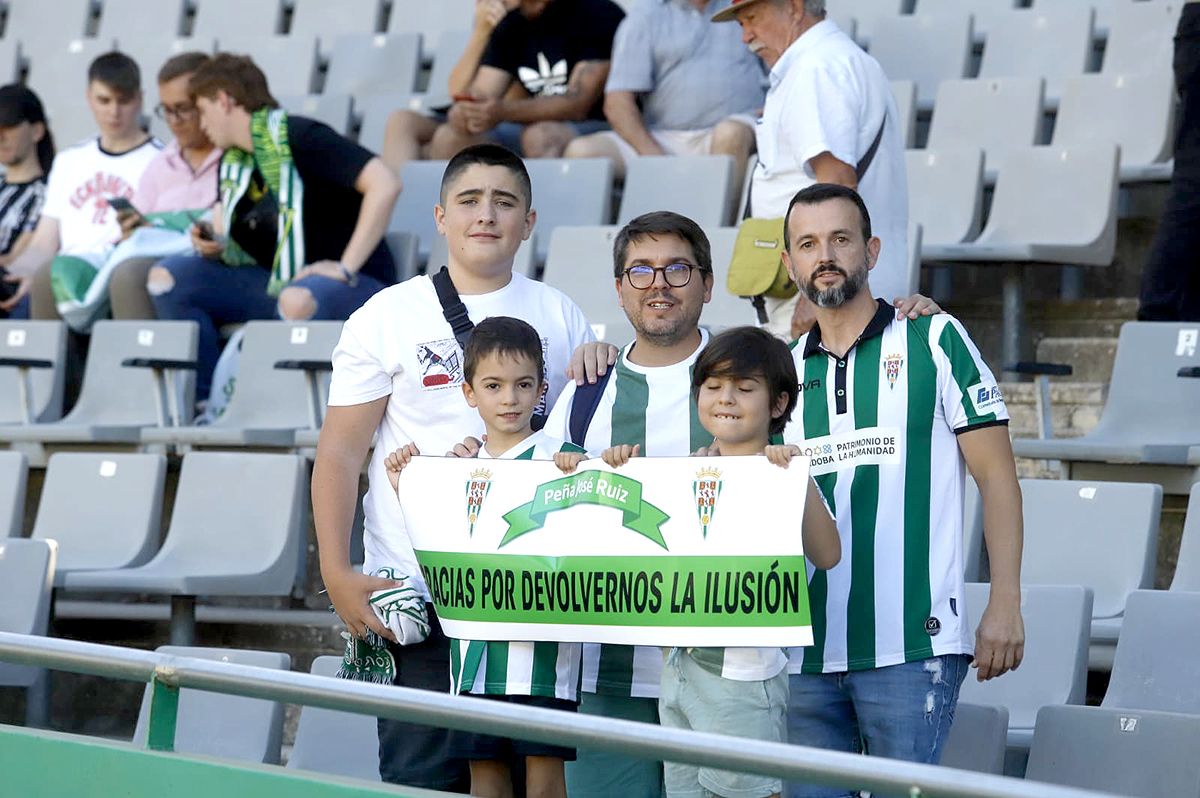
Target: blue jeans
212, 294
899, 712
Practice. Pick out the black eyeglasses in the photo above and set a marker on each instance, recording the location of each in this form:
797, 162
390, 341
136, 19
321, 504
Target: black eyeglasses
180, 112
677, 275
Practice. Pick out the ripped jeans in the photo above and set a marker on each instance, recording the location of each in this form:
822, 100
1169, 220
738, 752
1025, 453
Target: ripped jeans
900, 712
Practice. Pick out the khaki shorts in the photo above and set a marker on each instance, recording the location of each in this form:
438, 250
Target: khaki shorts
677, 142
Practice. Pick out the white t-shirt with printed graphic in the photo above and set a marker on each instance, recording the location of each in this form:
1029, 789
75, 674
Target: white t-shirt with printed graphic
399, 345
81, 181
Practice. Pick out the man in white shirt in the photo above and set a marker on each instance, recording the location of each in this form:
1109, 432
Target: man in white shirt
397, 372
829, 117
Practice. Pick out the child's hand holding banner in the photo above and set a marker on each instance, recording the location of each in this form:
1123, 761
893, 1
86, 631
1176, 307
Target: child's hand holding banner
678, 551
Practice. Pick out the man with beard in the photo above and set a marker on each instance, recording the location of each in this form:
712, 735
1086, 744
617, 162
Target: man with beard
890, 411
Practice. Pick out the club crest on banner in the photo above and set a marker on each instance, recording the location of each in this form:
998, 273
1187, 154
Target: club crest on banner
706, 487
891, 367
478, 485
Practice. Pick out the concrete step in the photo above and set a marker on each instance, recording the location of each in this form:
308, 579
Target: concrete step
1075, 407
1092, 358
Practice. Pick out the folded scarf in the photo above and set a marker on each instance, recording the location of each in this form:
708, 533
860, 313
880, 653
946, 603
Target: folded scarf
402, 611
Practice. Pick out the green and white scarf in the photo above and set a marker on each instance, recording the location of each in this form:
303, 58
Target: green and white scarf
272, 157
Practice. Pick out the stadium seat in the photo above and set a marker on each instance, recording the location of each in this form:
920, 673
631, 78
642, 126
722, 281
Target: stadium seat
323, 18
1057, 626
699, 187
413, 213
984, 13
364, 63
104, 510
10, 61
1144, 129
1115, 523
867, 13
221, 18
1117, 751
1105, 9
724, 309
524, 263
1157, 663
843, 17
116, 400
332, 109
1051, 205
972, 531
1140, 35
219, 724
283, 376
994, 115
1149, 416
1053, 44
289, 62
580, 265
449, 48
372, 112
905, 92
58, 73
430, 19
926, 49
44, 28
977, 738
570, 191
235, 530
26, 580
1187, 567
945, 194
339, 743
404, 253
32, 355
137, 19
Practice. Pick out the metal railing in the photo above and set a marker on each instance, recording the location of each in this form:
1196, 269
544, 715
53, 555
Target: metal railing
796, 763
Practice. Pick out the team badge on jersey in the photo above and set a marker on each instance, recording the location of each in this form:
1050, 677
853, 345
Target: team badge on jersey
706, 488
891, 367
478, 485
440, 363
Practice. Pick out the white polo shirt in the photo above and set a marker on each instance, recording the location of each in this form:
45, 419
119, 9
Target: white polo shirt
827, 95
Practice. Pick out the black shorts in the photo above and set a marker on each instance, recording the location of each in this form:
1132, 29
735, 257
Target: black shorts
411, 753
476, 747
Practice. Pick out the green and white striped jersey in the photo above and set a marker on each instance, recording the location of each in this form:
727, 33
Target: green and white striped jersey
549, 670
881, 426
740, 664
652, 407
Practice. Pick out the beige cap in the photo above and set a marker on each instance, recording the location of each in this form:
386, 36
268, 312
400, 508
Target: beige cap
730, 13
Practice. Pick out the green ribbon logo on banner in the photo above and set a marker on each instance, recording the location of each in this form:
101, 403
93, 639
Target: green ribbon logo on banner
589, 487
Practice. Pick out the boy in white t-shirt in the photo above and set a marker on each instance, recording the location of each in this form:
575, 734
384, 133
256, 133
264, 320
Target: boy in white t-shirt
745, 388
397, 372
503, 372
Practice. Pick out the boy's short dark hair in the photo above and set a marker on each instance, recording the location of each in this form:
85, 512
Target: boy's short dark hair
823, 192
503, 335
118, 72
743, 352
182, 64
236, 75
658, 223
487, 155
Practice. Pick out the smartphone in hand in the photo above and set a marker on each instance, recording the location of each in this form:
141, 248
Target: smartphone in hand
204, 230
122, 205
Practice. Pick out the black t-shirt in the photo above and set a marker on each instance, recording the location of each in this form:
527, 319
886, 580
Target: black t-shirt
328, 165
541, 53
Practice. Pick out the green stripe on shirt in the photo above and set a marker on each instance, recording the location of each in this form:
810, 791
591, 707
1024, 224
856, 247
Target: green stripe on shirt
922, 401
864, 509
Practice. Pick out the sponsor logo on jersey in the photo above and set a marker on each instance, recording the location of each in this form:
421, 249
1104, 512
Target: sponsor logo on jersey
706, 488
478, 484
932, 626
440, 364
985, 397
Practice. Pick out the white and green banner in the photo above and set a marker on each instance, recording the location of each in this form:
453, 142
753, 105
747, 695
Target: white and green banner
671, 551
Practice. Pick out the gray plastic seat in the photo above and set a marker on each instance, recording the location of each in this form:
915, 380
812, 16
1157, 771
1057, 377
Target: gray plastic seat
1149, 416
116, 401
332, 109
373, 63
14, 475
413, 212
905, 92
1100, 534
1057, 624
1117, 751
972, 530
867, 13
26, 577
104, 510
1052, 43
323, 18
29, 389
218, 724
724, 309
1144, 129
1105, 10
977, 738
1157, 663
580, 265
235, 530
433, 18
925, 49
219, 18
138, 19
445, 54
10, 61
993, 115
1187, 567
569, 191
58, 73
697, 186
338, 743
283, 375
289, 62
984, 13
1139, 37
42, 28
404, 253
524, 262
1051, 205
945, 194
372, 112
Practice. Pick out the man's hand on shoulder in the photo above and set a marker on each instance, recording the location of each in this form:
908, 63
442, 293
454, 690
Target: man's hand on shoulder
591, 361
915, 306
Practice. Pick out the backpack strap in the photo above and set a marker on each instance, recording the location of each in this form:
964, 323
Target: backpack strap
869, 156
453, 308
583, 407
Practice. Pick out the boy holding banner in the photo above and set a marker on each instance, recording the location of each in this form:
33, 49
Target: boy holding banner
745, 388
